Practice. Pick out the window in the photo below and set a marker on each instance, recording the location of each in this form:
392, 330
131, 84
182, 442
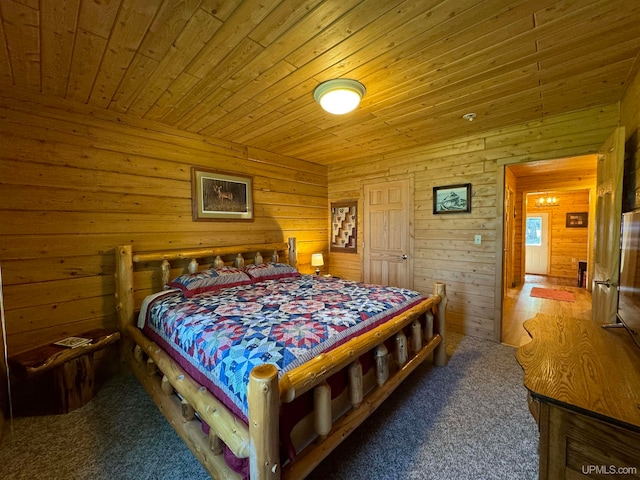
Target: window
534, 231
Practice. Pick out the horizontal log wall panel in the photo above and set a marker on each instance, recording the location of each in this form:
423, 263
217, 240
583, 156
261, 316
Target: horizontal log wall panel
50, 176
24, 320
476, 286
24, 340
55, 109
101, 222
75, 150
75, 182
24, 271
469, 325
344, 265
444, 248
48, 293
39, 247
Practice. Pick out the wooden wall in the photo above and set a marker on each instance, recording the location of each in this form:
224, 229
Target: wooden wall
75, 182
630, 119
567, 246
444, 248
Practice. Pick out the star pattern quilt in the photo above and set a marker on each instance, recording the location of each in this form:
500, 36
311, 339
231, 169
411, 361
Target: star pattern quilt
219, 337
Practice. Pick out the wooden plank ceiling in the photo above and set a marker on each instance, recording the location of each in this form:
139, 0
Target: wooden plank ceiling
245, 71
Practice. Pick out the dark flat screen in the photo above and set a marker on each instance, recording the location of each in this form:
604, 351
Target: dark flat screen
629, 293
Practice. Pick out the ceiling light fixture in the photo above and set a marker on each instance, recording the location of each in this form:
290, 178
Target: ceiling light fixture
469, 116
340, 95
547, 201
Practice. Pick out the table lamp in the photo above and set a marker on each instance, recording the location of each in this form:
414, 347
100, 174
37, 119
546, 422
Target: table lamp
317, 261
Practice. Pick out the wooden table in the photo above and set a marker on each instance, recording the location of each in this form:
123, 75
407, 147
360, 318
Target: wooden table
59, 379
584, 391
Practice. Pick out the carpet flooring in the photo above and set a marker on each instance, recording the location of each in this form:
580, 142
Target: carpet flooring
552, 294
468, 420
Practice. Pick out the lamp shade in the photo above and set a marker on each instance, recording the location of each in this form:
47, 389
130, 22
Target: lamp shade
340, 95
317, 260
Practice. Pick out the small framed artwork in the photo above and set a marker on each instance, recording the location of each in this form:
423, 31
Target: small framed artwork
577, 220
452, 199
221, 196
344, 227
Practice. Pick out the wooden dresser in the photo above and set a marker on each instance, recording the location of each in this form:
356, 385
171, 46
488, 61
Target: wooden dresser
584, 391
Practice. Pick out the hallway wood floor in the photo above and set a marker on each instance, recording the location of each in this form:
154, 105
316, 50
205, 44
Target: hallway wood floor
519, 306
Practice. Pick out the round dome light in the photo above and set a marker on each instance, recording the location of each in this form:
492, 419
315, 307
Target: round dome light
339, 96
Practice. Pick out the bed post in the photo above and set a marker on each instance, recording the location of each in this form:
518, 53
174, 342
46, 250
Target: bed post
440, 353
125, 308
293, 252
263, 397
124, 287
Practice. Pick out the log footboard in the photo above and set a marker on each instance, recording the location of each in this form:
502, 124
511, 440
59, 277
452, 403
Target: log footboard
412, 337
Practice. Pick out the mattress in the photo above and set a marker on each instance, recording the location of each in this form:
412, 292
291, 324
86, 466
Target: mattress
218, 337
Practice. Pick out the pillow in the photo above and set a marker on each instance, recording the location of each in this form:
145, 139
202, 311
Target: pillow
209, 280
270, 271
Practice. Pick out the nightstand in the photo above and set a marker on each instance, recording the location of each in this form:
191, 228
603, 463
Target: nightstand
53, 379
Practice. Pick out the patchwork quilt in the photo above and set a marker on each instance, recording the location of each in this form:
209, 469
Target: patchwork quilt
219, 337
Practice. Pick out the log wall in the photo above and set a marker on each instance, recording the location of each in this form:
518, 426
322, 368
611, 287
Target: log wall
76, 182
444, 248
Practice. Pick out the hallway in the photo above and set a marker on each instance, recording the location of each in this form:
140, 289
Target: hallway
519, 306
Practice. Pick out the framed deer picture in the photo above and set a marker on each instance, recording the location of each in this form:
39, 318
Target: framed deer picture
221, 196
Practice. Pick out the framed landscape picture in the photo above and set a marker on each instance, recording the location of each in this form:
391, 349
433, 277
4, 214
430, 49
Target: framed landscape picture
221, 196
452, 199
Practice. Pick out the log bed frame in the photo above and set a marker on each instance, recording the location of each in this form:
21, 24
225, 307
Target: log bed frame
162, 377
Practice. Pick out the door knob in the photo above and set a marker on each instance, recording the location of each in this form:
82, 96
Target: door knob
404, 256
606, 283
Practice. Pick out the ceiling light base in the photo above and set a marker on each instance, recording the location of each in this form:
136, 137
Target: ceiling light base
340, 95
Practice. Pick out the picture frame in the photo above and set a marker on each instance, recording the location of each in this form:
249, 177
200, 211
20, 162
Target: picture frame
344, 227
221, 196
577, 220
452, 199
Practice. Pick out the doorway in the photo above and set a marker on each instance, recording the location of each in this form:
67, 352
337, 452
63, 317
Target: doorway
536, 244
388, 239
545, 252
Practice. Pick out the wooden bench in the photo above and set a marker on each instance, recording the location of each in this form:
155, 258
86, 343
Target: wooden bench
64, 376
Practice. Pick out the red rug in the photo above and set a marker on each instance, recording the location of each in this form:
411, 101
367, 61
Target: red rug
552, 294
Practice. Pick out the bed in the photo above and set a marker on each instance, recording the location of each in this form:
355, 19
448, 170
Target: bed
290, 397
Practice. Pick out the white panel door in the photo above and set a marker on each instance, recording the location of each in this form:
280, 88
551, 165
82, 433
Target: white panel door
604, 298
537, 244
